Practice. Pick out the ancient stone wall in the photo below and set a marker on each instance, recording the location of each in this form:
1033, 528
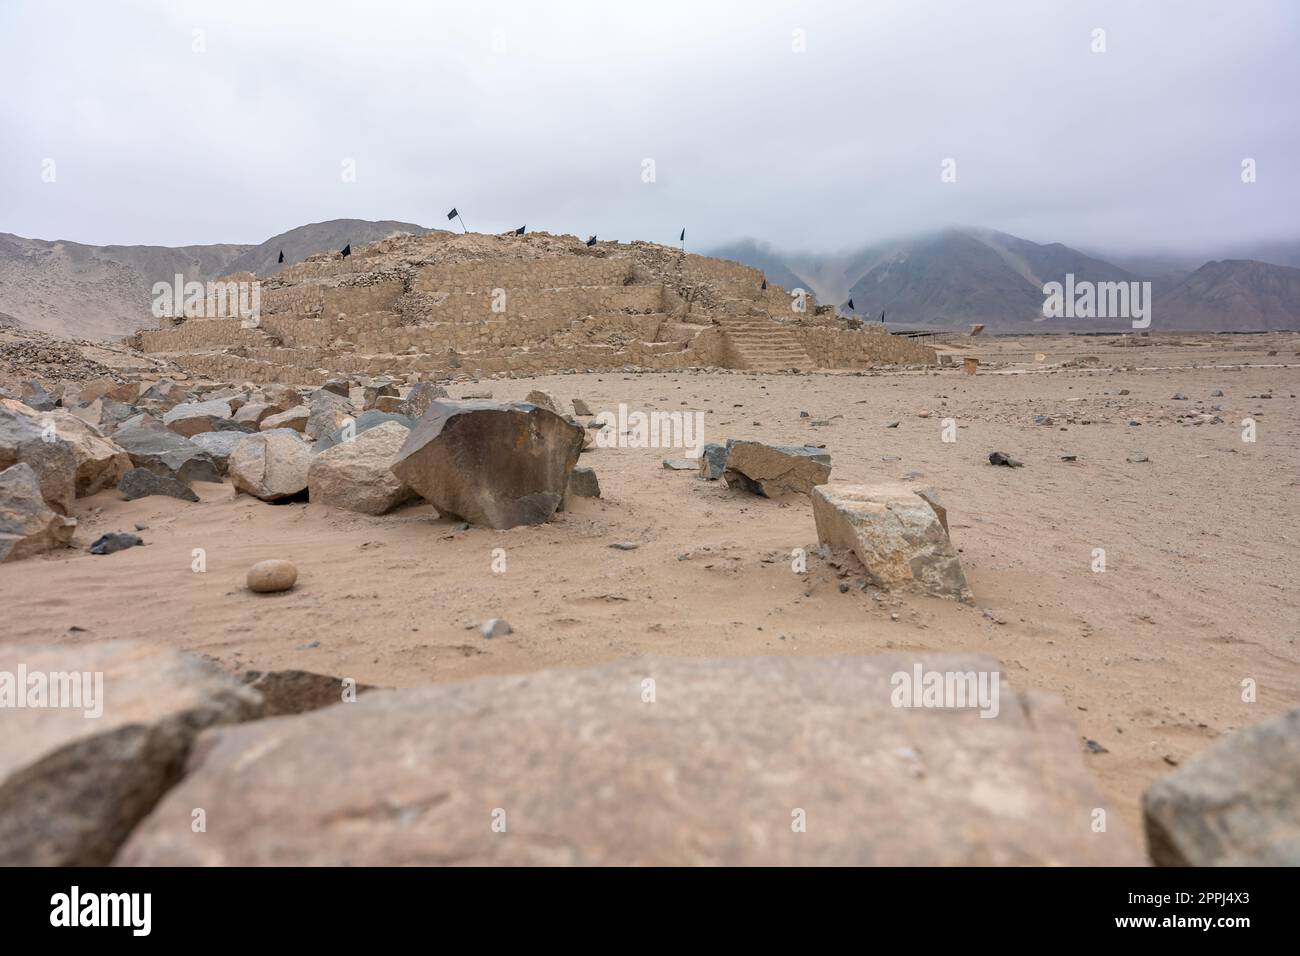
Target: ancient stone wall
839, 348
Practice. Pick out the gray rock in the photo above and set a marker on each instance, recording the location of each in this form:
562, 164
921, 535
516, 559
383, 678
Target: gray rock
28, 525
495, 627
583, 482
713, 462
141, 483
327, 414
774, 470
419, 398
1236, 803
356, 475
714, 762
364, 422
681, 464
494, 464
166, 453
72, 788
581, 408
24, 438
338, 386
271, 465
295, 418
1002, 458
220, 445
299, 692
115, 542
544, 399
192, 418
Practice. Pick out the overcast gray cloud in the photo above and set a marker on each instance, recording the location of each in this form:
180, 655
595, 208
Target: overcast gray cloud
544, 113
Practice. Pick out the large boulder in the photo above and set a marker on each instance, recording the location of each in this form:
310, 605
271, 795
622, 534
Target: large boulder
295, 418
356, 475
25, 438
75, 780
895, 532
101, 463
417, 401
1236, 803
143, 483
713, 461
28, 525
495, 464
220, 445
271, 465
191, 418
774, 470
363, 422
166, 453
749, 762
328, 413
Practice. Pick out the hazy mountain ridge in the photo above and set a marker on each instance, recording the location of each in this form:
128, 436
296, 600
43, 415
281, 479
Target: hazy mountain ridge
83, 291
956, 277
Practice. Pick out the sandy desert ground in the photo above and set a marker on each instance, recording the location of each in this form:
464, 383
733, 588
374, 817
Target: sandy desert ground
1198, 593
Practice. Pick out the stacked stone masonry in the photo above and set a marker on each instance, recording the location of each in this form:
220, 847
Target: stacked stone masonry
444, 304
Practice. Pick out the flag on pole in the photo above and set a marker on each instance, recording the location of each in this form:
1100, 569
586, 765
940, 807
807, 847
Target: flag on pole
764, 285
520, 230
591, 241
282, 255
683, 236
455, 215
850, 305
882, 318
347, 250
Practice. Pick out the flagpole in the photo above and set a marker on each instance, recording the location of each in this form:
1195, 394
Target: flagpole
462, 222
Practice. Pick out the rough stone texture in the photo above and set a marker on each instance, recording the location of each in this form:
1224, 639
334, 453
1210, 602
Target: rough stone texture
372, 393
364, 422
328, 413
580, 407
220, 445
710, 772
713, 462
297, 692
496, 464
166, 453
419, 398
255, 413
101, 463
538, 397
23, 438
356, 475
192, 418
895, 532
295, 418
1237, 803
271, 465
773, 470
28, 525
583, 482
141, 483
72, 788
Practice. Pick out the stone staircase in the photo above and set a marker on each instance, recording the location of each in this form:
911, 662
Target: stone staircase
762, 344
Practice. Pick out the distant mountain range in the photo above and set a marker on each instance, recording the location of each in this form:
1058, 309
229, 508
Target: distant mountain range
943, 280
94, 292
956, 277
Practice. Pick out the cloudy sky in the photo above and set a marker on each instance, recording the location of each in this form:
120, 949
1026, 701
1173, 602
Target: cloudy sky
814, 125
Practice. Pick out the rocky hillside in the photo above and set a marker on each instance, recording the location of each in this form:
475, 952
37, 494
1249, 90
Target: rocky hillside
1235, 295
80, 291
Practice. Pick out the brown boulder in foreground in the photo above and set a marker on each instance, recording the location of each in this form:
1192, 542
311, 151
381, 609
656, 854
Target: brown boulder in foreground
489, 463
1237, 803
758, 761
773, 470
71, 786
896, 531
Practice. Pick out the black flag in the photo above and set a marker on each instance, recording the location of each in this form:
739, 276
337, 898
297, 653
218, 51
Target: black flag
591, 241
453, 214
764, 284
520, 230
850, 305
347, 250
282, 255
683, 236
882, 318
